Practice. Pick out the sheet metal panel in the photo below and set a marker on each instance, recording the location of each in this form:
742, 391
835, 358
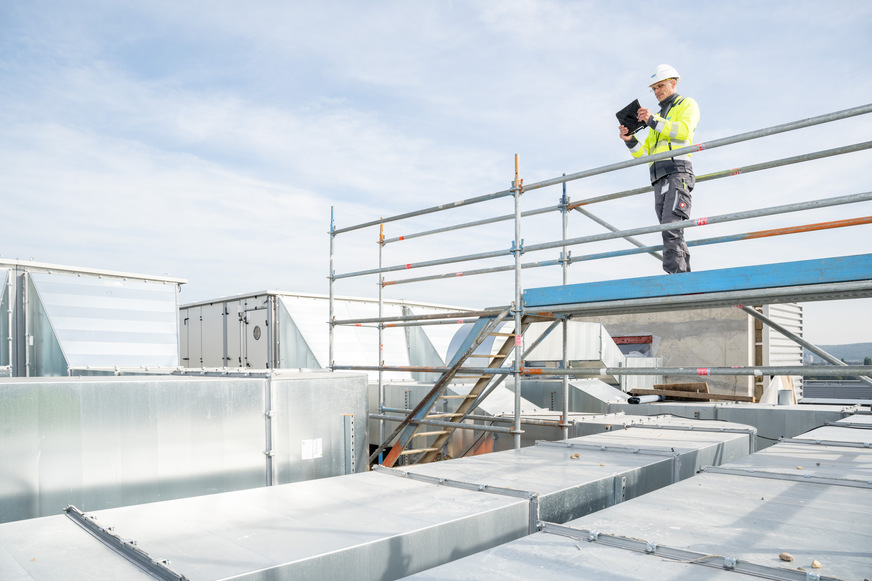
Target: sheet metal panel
749, 518
585, 395
57, 548
310, 411
755, 520
772, 421
574, 481
587, 345
808, 461
5, 322
115, 441
213, 323
363, 526
856, 420
547, 556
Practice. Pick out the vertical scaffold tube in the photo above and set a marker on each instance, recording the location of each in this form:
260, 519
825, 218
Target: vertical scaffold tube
564, 263
330, 314
381, 330
516, 187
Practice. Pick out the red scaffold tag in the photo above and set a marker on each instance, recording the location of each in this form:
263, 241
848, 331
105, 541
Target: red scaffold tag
701, 221
517, 340
704, 371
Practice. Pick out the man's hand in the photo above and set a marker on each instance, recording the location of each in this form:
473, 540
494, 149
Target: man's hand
643, 115
624, 133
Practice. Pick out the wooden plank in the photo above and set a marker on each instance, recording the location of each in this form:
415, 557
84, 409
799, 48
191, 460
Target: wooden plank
695, 387
673, 394
633, 340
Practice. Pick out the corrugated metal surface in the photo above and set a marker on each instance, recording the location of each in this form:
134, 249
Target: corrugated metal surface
778, 349
810, 500
836, 391
116, 441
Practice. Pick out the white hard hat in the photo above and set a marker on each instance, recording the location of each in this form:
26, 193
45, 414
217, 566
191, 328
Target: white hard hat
663, 72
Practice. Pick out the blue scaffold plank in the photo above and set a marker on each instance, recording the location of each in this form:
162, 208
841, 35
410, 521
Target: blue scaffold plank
783, 274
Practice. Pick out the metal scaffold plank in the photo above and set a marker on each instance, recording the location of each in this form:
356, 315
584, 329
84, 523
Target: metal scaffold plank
845, 269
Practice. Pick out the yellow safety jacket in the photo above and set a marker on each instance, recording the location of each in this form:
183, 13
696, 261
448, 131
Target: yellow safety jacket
671, 129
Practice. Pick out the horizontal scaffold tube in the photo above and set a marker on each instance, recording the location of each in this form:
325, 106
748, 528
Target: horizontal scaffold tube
646, 189
485, 418
734, 172
692, 223
449, 317
762, 212
801, 370
647, 249
431, 317
811, 121
442, 424
774, 130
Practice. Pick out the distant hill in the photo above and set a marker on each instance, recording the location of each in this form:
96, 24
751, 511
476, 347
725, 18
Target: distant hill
851, 353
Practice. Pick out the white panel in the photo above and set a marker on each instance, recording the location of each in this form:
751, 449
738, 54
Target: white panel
778, 350
101, 321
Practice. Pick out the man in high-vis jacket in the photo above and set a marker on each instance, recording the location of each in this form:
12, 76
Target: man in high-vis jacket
672, 178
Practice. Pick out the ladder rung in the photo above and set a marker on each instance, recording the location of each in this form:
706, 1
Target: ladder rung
422, 434
458, 396
480, 355
502, 334
407, 452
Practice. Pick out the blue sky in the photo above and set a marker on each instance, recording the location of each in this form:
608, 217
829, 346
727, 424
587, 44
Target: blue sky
208, 140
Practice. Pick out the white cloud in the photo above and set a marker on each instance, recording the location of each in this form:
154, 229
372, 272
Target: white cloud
209, 139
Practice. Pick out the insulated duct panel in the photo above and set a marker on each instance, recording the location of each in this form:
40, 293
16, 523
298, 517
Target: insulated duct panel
359, 527
808, 500
101, 442
582, 475
106, 442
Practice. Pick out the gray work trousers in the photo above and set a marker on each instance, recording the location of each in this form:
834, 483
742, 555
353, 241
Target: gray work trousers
672, 203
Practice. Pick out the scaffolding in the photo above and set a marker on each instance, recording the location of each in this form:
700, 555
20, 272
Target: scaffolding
521, 310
